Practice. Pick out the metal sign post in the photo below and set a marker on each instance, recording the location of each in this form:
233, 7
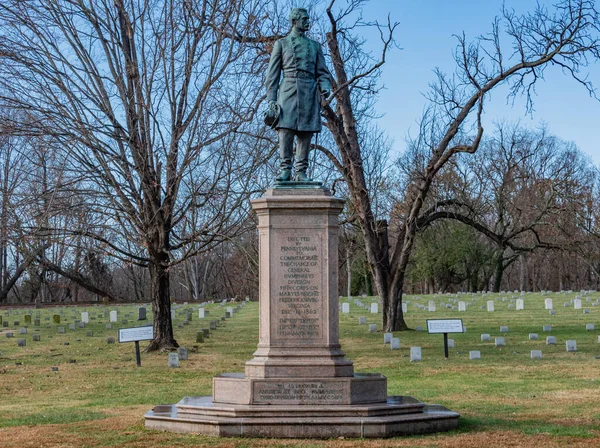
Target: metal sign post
136, 334
444, 326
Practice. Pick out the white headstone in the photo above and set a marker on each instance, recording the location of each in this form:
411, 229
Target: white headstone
590, 327
372, 328
173, 359
374, 308
450, 343
536, 354
474, 354
387, 338
548, 304
462, 306
431, 305
490, 305
577, 304
415, 354
404, 307
201, 312
550, 340
485, 337
345, 307
395, 344
533, 336
113, 316
85, 317
362, 320
499, 342
571, 345
520, 304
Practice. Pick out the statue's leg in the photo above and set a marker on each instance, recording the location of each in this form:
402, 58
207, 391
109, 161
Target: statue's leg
286, 144
302, 150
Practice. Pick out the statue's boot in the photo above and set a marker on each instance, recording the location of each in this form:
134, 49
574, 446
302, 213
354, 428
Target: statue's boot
302, 177
284, 175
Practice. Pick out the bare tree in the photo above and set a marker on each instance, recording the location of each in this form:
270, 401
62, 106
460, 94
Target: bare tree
152, 102
522, 190
565, 36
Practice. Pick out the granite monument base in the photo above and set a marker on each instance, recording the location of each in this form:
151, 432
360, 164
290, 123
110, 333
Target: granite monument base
299, 383
398, 416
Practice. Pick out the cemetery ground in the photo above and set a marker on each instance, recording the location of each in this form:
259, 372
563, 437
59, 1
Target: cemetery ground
90, 393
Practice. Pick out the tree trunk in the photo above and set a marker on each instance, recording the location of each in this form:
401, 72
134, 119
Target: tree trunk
498, 273
161, 307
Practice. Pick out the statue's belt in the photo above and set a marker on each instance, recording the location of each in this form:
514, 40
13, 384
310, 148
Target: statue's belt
298, 74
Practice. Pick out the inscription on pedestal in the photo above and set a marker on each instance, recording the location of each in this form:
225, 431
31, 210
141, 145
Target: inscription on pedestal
313, 392
297, 290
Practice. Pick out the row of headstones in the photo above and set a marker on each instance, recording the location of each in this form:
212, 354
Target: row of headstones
373, 307
415, 352
519, 305
550, 340
182, 352
476, 354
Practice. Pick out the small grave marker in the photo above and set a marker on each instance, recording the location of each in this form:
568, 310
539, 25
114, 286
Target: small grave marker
474, 354
536, 354
183, 353
571, 345
173, 360
415, 354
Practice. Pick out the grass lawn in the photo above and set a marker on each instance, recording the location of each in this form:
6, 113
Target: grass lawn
98, 396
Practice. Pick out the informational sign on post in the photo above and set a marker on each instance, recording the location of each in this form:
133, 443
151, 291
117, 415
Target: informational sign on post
444, 326
439, 326
136, 334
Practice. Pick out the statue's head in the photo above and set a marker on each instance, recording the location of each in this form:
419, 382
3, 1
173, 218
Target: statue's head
299, 19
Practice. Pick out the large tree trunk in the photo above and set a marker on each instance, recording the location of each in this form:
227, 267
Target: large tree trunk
498, 274
161, 307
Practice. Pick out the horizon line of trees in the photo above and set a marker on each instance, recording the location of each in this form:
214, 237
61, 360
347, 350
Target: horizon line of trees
131, 142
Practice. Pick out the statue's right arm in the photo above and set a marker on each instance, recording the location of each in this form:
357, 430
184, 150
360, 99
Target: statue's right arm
274, 73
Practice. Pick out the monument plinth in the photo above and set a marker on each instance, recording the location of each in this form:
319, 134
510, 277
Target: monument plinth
299, 383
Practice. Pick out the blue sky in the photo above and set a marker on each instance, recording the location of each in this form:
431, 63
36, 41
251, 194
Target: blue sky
425, 35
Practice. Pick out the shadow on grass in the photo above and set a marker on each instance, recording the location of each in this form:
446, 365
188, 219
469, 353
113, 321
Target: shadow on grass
527, 427
54, 416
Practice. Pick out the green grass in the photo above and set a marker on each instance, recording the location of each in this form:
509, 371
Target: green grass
99, 396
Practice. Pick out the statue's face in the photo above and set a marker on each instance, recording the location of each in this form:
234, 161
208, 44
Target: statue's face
302, 23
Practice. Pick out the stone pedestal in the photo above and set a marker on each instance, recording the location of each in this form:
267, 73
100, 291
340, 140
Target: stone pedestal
299, 383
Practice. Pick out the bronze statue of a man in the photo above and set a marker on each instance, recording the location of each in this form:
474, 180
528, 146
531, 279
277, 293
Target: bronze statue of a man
296, 99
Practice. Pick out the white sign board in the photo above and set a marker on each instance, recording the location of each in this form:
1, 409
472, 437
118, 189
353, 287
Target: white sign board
136, 334
436, 326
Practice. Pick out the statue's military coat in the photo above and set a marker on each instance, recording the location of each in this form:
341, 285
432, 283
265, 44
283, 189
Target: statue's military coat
300, 60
